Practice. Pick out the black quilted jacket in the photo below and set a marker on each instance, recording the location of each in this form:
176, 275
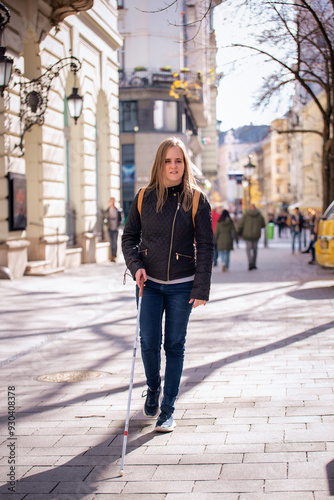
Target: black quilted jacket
163, 242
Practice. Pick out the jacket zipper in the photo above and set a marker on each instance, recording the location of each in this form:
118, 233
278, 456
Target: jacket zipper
171, 239
182, 255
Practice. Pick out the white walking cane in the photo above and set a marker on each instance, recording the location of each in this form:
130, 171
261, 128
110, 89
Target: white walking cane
141, 289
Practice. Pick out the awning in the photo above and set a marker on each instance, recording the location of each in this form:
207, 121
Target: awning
305, 203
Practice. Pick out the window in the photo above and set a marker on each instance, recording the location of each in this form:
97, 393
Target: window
128, 176
191, 14
128, 116
121, 55
120, 4
165, 116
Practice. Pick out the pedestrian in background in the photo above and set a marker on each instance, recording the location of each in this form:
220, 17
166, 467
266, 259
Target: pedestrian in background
281, 223
114, 219
215, 216
158, 245
249, 228
224, 235
297, 224
314, 224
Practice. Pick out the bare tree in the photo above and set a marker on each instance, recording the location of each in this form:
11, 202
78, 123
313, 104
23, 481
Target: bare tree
298, 37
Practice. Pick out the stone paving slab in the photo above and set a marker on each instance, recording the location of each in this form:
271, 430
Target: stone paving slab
256, 407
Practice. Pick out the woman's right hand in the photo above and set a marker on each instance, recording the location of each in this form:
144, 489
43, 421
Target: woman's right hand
139, 274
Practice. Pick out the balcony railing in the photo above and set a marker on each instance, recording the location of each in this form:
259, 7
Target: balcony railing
182, 82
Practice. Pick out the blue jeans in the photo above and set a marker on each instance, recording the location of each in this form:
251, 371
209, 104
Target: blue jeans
295, 235
251, 249
113, 235
173, 300
225, 257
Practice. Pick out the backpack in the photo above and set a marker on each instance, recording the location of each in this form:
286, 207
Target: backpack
197, 195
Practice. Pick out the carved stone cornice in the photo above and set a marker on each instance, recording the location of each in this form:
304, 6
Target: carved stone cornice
64, 8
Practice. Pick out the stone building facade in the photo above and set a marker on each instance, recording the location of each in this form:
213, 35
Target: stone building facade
67, 171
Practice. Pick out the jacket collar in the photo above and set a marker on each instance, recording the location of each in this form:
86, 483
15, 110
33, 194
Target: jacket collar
175, 189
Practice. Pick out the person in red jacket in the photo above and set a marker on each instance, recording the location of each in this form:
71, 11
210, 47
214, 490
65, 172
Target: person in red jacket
215, 216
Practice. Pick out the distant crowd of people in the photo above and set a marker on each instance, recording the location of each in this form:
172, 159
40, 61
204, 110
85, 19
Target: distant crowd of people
228, 229
249, 228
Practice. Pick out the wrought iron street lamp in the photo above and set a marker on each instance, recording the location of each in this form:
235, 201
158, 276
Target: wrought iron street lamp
74, 103
6, 63
34, 96
249, 169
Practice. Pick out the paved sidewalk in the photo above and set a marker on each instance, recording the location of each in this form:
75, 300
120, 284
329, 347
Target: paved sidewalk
255, 416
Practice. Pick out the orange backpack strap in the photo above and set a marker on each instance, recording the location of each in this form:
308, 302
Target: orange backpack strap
140, 200
196, 197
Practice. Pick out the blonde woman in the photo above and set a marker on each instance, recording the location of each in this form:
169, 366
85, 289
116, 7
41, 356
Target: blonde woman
158, 246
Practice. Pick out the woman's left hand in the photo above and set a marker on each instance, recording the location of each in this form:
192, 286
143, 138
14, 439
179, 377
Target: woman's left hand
197, 302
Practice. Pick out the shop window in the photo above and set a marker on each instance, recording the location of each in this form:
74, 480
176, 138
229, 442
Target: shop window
17, 201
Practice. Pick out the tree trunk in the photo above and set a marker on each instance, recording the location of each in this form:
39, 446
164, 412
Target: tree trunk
327, 166
331, 172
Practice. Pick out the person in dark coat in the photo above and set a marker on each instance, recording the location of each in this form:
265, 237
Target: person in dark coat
297, 224
159, 246
224, 235
114, 219
249, 228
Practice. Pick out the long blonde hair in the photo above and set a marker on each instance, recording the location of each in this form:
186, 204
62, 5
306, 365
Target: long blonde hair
156, 181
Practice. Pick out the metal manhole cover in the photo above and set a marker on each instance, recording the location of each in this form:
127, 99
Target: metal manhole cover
76, 376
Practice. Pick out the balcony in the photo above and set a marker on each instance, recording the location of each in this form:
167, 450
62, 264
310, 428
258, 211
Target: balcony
183, 83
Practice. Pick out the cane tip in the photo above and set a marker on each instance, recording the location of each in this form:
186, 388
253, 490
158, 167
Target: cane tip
121, 473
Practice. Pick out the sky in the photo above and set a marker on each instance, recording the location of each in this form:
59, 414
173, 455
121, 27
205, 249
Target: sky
241, 79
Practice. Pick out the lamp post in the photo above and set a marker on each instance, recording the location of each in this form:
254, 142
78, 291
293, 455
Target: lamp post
249, 169
74, 103
6, 63
34, 96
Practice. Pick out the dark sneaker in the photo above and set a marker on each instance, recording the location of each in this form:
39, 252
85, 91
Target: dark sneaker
151, 406
165, 423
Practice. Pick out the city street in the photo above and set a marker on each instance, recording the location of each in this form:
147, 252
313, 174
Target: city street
255, 414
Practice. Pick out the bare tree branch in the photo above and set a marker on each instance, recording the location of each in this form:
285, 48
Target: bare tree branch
297, 130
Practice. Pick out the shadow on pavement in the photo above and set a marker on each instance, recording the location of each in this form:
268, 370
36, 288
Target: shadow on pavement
77, 471
246, 294
264, 349
330, 477
317, 293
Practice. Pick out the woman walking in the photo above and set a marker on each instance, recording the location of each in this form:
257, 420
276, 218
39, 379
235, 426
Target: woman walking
225, 232
158, 244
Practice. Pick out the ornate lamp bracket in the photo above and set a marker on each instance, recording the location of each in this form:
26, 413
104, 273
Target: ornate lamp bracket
34, 95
